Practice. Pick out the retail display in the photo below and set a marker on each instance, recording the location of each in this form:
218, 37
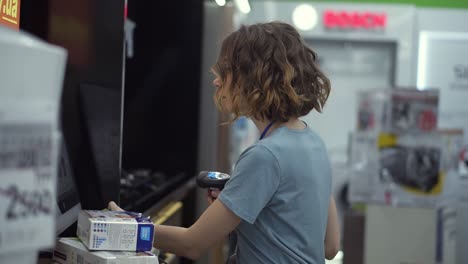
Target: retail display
398, 111
397, 156
411, 170
414, 166
115, 230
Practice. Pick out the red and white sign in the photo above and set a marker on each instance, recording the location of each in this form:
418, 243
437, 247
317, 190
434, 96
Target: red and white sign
354, 20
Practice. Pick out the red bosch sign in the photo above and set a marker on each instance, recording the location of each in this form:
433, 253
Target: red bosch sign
354, 20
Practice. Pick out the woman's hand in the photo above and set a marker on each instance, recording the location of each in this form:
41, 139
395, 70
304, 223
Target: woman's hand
211, 195
113, 206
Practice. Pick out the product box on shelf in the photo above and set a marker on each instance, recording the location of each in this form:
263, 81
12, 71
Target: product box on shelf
363, 166
28, 172
410, 170
113, 230
406, 170
73, 251
398, 111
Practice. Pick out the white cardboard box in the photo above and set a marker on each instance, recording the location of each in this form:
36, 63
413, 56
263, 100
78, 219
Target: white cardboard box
27, 186
406, 170
112, 230
19, 257
31, 74
413, 235
73, 251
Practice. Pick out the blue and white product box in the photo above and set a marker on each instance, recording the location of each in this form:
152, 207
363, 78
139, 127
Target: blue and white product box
113, 230
70, 250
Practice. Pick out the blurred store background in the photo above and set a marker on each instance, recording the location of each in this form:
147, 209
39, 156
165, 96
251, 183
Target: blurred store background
395, 124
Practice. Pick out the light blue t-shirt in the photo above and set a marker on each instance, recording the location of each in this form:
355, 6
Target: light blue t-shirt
281, 188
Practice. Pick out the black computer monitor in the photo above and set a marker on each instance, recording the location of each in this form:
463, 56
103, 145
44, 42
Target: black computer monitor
92, 32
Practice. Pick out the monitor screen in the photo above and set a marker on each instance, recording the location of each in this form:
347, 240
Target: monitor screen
68, 203
92, 32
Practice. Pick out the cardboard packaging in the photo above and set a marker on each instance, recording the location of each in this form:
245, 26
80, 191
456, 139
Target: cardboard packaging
412, 235
73, 251
31, 77
20, 257
398, 111
111, 230
398, 156
407, 170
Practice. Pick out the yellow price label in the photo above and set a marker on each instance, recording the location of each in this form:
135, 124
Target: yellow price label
10, 13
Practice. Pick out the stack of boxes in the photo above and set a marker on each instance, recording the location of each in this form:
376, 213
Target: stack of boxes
398, 156
108, 237
406, 170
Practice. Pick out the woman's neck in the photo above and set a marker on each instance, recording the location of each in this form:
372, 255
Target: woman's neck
293, 123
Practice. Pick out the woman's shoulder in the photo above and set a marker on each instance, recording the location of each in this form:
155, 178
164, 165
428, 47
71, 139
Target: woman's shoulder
258, 151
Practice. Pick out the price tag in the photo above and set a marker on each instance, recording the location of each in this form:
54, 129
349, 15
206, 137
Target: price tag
28, 167
10, 13
22, 197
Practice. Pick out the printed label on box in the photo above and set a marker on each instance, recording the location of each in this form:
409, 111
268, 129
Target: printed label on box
28, 154
73, 251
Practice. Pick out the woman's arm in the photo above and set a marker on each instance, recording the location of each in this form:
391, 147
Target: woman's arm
332, 236
213, 226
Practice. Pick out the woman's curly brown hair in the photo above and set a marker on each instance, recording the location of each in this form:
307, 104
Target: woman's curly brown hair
274, 74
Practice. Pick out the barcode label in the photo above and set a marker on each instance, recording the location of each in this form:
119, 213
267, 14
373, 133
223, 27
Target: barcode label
25, 146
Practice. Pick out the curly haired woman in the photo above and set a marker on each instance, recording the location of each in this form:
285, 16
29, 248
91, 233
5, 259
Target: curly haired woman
278, 199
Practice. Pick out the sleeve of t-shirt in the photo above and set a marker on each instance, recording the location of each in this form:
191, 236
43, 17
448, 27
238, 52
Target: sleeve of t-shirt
254, 181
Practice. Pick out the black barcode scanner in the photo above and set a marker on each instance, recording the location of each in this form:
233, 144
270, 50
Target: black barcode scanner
212, 179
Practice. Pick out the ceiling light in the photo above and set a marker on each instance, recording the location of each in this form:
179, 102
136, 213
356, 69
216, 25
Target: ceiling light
305, 17
221, 2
